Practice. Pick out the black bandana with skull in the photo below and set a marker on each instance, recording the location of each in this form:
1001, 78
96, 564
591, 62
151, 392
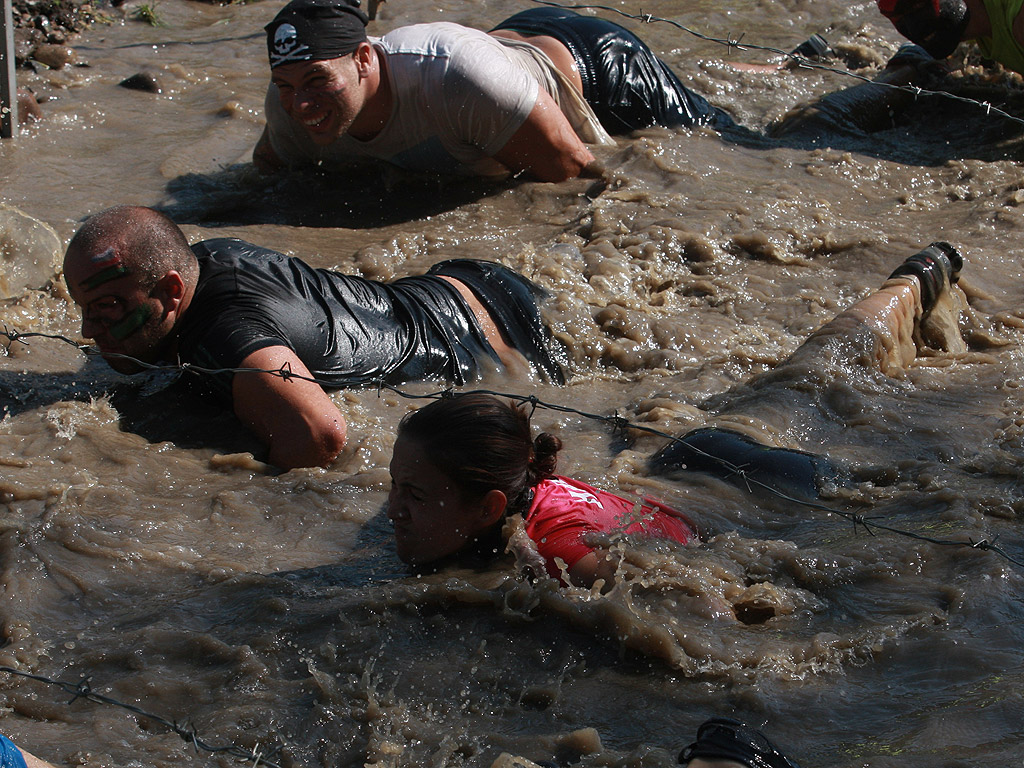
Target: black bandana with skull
313, 30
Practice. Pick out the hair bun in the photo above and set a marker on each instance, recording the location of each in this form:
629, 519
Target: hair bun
545, 456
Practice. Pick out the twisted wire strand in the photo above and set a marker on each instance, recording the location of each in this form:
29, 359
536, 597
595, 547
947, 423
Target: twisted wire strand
83, 690
617, 423
801, 61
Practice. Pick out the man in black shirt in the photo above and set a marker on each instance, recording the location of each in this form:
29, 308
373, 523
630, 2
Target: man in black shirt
146, 295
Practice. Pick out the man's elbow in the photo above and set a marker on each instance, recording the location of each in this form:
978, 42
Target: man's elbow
331, 442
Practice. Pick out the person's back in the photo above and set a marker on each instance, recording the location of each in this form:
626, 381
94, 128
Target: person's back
348, 330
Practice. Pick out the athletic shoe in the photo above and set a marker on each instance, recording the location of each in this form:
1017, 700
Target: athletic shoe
722, 738
936, 267
813, 48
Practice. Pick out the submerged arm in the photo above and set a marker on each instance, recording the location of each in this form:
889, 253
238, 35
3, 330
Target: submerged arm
263, 155
589, 568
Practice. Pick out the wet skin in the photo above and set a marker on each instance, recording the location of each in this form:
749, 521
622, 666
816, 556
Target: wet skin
431, 515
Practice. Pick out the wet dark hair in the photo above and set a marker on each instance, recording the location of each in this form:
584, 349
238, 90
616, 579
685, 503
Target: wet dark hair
936, 25
484, 443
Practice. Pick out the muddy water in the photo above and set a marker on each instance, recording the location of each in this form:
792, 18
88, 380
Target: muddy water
143, 547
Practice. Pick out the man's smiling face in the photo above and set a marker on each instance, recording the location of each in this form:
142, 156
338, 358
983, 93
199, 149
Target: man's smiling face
324, 97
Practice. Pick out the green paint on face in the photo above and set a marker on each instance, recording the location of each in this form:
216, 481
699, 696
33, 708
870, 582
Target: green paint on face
132, 322
113, 272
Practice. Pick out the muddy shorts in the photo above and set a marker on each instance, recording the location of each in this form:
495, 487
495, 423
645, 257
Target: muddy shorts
627, 86
754, 466
512, 301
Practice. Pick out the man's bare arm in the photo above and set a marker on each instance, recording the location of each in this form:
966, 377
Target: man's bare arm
298, 421
545, 145
31, 761
263, 155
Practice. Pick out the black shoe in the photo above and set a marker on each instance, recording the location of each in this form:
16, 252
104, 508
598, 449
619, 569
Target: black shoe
935, 267
910, 54
813, 48
722, 738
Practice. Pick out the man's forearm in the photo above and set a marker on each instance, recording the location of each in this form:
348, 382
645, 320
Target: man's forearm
300, 424
264, 157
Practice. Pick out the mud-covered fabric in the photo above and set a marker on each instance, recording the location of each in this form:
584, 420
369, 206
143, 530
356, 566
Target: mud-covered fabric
347, 330
314, 30
627, 86
512, 301
753, 466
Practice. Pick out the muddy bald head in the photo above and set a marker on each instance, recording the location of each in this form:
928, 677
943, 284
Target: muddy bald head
128, 241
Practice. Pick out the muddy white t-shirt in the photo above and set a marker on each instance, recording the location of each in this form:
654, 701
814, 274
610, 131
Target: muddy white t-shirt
458, 96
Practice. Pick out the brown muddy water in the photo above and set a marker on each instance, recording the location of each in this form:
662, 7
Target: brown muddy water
142, 549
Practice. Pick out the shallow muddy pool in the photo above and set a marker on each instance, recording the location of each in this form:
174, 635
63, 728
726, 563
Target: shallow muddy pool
142, 548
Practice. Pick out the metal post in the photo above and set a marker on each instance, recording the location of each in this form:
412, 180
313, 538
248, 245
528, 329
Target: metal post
8, 85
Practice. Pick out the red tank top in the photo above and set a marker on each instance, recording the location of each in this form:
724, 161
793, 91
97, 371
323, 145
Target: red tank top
565, 510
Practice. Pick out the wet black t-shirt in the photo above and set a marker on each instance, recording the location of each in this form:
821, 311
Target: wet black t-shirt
347, 330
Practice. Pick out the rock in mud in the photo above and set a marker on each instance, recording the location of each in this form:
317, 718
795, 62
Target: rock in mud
28, 107
54, 56
142, 81
30, 252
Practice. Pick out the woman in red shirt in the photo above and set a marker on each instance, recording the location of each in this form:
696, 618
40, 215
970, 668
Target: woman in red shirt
461, 464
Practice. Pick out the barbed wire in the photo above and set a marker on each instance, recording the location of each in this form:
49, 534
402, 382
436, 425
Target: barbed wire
799, 60
83, 689
617, 423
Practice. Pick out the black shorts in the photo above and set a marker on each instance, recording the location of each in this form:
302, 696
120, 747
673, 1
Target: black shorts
511, 300
731, 455
627, 86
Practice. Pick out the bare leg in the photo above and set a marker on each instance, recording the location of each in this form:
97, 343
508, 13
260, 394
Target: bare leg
882, 331
888, 323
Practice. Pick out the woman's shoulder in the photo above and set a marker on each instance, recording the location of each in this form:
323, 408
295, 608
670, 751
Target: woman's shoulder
560, 494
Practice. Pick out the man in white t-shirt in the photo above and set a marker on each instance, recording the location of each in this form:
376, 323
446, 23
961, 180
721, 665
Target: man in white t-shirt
444, 98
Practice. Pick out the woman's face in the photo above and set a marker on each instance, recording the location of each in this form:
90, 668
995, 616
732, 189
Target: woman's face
430, 516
